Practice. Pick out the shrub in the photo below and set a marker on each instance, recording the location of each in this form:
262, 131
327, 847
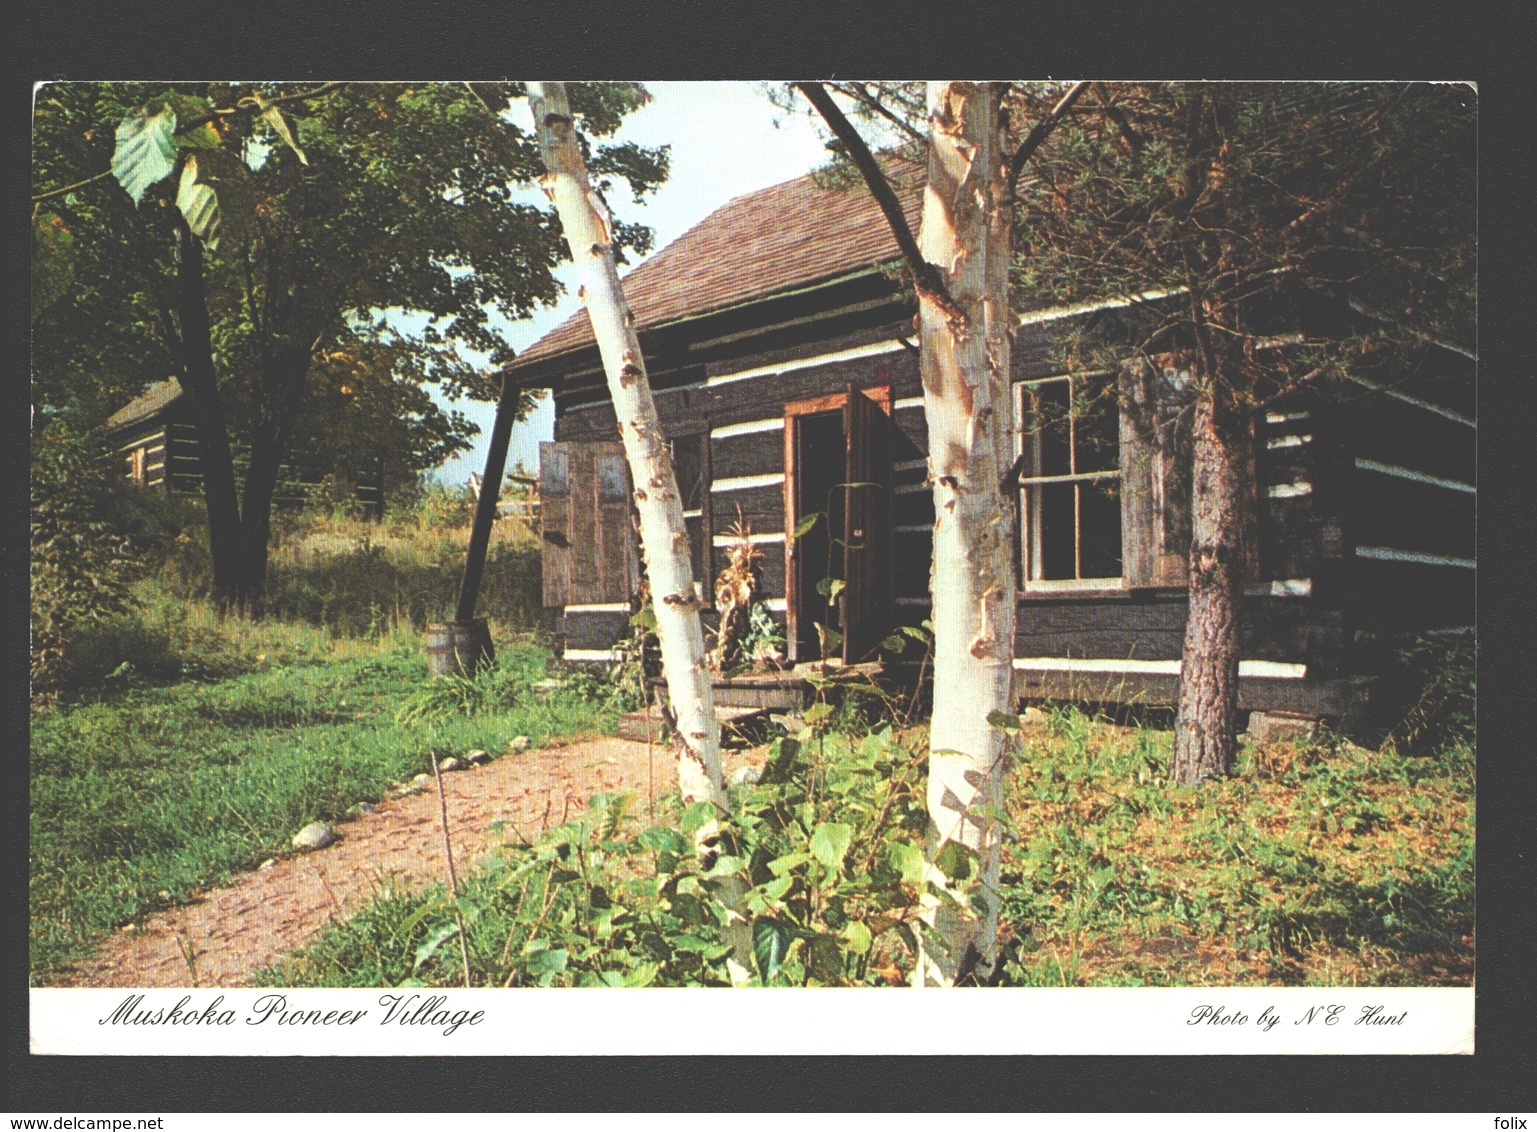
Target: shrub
123, 648
80, 572
1443, 710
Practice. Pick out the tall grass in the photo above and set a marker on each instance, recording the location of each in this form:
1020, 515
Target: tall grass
336, 583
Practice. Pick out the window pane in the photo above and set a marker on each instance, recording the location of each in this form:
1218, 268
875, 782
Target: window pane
1046, 424
1096, 429
688, 465
1055, 520
1100, 529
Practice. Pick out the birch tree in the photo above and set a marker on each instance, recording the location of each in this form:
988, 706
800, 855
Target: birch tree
964, 362
959, 267
663, 537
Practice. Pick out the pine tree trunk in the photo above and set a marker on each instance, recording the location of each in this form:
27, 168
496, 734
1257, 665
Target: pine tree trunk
1206, 727
965, 369
226, 536
663, 536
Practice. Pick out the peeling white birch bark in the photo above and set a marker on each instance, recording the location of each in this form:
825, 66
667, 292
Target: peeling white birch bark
965, 369
663, 537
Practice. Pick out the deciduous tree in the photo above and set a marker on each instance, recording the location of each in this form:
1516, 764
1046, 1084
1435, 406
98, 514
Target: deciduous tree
664, 540
233, 234
960, 271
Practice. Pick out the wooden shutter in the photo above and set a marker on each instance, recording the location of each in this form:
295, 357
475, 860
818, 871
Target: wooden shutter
691, 466
1156, 398
588, 554
866, 527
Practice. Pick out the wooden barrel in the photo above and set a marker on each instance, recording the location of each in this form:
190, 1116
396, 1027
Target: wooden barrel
458, 648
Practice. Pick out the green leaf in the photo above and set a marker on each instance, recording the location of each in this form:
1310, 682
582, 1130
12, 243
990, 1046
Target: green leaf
770, 943
956, 861
642, 976
907, 859
696, 816
894, 643
724, 866
830, 588
53, 262
216, 197
409, 924
780, 866
873, 746
776, 888
817, 712
914, 632
547, 961
663, 840
145, 154
434, 941
1004, 721
274, 118
803, 527
830, 842
857, 936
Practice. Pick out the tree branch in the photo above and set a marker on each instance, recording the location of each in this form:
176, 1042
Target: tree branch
1113, 112
244, 106
861, 93
1041, 132
51, 193
928, 281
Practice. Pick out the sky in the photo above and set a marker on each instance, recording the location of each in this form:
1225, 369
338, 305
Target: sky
727, 139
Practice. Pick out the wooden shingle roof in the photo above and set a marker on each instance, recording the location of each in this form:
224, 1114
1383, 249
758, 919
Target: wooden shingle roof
788, 236
153, 400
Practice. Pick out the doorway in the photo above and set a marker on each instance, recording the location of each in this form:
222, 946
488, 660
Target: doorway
838, 486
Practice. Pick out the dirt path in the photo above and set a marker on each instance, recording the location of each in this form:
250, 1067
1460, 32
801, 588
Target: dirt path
266, 914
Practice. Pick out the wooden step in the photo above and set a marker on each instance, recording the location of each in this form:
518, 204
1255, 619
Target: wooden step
736, 724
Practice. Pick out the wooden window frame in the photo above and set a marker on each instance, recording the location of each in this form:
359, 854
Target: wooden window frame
1027, 556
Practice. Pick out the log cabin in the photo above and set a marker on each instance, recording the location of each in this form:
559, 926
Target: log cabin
155, 438
781, 350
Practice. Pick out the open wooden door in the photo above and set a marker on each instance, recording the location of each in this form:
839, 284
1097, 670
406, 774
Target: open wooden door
866, 528
831, 442
588, 552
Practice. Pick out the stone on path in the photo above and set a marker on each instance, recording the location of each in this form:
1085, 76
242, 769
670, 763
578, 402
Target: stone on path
316, 835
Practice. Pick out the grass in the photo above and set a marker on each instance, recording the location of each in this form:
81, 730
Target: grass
141, 795
1320, 864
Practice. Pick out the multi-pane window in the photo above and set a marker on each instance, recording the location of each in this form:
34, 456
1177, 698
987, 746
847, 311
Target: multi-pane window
1070, 506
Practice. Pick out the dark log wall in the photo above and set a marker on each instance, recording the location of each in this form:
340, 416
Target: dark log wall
1411, 518
1313, 602
173, 463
